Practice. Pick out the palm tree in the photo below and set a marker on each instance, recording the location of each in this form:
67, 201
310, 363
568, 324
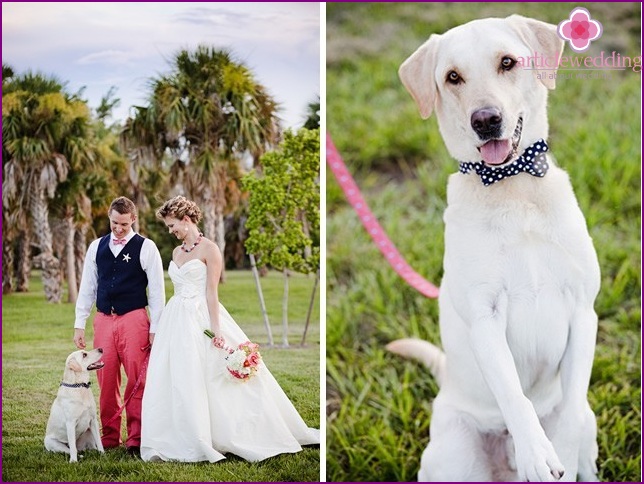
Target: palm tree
44, 134
72, 208
87, 193
7, 73
16, 236
313, 115
204, 117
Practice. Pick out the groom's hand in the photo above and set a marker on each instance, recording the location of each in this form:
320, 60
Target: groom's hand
79, 338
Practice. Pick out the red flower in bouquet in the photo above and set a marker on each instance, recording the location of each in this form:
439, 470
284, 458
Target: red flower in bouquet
243, 362
253, 360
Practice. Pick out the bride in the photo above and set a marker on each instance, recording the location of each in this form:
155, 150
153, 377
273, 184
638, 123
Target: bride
193, 410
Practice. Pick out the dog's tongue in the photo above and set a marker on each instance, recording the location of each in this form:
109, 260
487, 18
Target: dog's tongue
494, 152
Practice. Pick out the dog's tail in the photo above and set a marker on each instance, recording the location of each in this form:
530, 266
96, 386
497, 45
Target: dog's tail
425, 352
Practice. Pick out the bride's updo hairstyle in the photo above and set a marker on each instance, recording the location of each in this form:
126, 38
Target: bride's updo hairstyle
179, 207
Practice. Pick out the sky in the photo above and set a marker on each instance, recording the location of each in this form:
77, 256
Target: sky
99, 45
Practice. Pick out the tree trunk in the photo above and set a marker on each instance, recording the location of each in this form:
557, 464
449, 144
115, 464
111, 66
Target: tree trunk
80, 250
261, 300
285, 310
220, 235
80, 237
50, 265
308, 251
7, 267
23, 267
70, 266
213, 223
51, 277
311, 304
208, 209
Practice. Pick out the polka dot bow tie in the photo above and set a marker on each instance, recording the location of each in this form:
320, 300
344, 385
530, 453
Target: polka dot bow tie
532, 161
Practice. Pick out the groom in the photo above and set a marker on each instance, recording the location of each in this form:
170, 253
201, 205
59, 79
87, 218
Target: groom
118, 269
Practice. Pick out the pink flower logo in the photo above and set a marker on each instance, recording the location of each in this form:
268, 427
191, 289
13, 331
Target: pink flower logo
579, 29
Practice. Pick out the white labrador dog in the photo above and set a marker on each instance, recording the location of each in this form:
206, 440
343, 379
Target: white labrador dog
517, 322
73, 424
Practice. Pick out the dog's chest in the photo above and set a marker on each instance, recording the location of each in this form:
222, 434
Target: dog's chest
85, 418
543, 282
530, 248
79, 406
528, 239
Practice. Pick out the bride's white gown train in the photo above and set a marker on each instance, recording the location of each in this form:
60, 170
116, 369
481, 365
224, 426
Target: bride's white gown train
192, 410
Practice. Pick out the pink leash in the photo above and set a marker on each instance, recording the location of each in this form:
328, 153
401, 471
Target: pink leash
142, 372
373, 228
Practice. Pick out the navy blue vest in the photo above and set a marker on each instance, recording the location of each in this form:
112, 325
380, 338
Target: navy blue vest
121, 281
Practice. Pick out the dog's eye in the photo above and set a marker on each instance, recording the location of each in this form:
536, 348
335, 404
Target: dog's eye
454, 78
507, 63
84, 355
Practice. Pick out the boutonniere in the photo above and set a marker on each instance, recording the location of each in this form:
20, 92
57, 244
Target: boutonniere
126, 257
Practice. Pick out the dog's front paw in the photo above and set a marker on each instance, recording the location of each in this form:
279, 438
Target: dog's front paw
73, 459
539, 462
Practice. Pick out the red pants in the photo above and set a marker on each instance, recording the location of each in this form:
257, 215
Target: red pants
121, 338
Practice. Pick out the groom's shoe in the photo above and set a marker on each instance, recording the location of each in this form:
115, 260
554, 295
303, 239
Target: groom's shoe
134, 451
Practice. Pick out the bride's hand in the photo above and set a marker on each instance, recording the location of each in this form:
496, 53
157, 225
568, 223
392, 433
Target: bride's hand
218, 342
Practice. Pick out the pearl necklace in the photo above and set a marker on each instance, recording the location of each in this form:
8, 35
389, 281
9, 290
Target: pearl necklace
183, 246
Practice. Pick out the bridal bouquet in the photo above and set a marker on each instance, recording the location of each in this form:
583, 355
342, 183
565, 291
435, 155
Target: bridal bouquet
243, 361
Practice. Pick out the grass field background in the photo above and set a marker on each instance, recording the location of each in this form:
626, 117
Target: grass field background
37, 337
378, 406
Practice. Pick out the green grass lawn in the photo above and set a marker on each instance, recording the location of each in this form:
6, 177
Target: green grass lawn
378, 406
37, 337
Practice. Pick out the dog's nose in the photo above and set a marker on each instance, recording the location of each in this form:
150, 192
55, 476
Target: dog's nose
487, 123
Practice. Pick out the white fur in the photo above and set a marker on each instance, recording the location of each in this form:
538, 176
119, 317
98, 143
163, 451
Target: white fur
73, 424
521, 275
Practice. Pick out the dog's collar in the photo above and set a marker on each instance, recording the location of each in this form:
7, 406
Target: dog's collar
75, 385
532, 161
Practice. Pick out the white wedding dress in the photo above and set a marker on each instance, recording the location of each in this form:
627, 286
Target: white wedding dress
192, 409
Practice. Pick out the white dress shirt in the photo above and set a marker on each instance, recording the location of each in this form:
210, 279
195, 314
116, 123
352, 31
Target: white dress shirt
150, 262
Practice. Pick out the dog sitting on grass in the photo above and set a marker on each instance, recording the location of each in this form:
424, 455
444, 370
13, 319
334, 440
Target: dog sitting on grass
517, 321
73, 424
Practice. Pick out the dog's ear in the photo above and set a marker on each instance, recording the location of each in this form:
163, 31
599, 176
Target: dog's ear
417, 75
74, 365
542, 39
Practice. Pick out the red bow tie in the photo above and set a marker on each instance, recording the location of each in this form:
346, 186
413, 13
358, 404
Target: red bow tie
119, 241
